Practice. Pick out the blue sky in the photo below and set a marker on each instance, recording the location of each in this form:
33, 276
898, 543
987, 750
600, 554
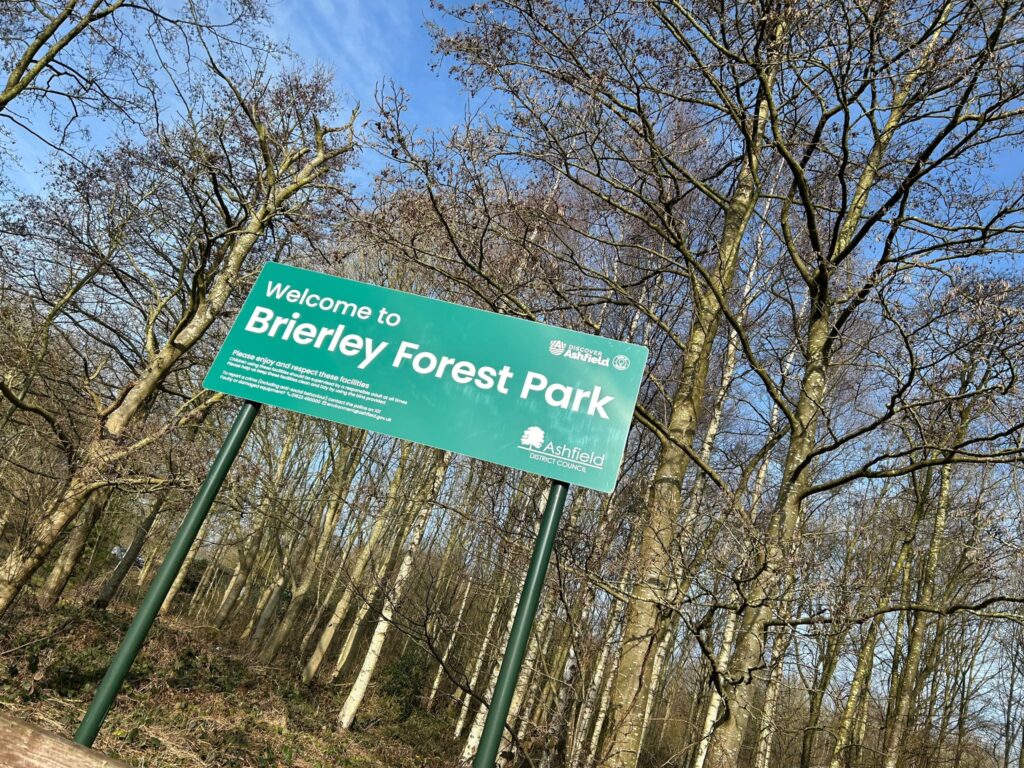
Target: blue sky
364, 42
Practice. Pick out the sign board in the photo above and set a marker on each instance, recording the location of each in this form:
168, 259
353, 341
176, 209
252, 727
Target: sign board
547, 400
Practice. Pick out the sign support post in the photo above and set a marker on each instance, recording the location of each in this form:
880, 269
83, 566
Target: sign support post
116, 673
518, 639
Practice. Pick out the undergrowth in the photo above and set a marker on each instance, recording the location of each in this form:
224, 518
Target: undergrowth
194, 700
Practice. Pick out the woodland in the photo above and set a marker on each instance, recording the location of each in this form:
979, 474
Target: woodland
811, 212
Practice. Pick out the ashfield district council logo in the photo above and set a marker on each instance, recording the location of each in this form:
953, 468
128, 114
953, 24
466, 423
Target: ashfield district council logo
620, 362
536, 443
533, 437
557, 347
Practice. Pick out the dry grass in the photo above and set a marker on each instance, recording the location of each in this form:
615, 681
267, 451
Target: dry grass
192, 701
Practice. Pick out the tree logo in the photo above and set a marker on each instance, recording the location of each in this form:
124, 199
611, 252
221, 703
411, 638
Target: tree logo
533, 437
557, 347
620, 362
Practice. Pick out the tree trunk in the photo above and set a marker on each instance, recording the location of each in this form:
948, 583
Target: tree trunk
165, 607
273, 599
644, 615
904, 693
766, 736
771, 568
339, 490
857, 697
391, 601
604, 707
581, 729
368, 599
715, 697
452, 635
477, 729
57, 579
481, 656
534, 650
248, 555
21, 563
380, 526
113, 582
556, 746
328, 595
205, 582
668, 640
817, 697
103, 451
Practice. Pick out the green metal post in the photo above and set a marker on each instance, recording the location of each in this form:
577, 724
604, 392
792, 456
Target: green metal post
512, 662
136, 634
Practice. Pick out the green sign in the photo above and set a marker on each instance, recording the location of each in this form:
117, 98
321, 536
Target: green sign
525, 395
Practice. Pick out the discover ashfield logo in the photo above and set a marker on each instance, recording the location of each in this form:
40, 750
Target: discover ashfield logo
587, 355
534, 441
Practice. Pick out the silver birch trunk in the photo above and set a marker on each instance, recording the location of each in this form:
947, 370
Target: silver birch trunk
391, 601
322, 604
581, 728
481, 656
453, 634
715, 697
519, 708
606, 702
328, 522
353, 631
766, 733
477, 729
377, 532
657, 671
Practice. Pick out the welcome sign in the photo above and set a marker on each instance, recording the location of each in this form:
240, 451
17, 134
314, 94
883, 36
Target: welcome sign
525, 395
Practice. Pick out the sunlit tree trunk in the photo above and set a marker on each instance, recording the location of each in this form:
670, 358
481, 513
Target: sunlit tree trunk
453, 635
517, 709
393, 597
481, 657
604, 706
311, 567
248, 552
598, 684
766, 734
903, 695
57, 579
380, 527
857, 698
644, 619
712, 711
286, 176
275, 591
477, 729
165, 607
367, 601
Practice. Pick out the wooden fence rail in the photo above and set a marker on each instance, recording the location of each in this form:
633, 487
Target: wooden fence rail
23, 745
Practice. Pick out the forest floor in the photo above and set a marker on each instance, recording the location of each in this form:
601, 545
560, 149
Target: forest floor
192, 700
